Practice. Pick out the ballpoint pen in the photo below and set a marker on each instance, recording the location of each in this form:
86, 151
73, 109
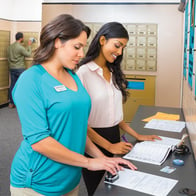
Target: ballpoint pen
124, 138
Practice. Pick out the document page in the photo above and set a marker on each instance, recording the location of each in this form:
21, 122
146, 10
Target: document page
165, 125
144, 182
154, 152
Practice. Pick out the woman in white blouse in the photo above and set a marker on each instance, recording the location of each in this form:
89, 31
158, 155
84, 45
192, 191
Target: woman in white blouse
101, 75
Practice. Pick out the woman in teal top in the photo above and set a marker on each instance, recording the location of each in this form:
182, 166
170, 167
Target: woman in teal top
53, 108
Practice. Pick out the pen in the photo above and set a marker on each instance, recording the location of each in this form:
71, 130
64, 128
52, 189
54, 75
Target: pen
124, 138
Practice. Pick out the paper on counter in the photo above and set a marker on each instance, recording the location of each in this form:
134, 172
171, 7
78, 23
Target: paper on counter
165, 125
144, 182
163, 116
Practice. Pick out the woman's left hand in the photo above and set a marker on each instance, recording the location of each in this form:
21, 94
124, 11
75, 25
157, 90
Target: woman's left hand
148, 137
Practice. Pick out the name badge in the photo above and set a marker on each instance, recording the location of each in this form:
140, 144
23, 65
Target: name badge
60, 88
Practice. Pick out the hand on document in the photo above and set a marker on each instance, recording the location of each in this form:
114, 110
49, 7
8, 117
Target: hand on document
148, 137
119, 164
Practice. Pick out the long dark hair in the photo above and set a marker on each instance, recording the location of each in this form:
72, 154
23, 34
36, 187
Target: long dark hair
109, 30
64, 27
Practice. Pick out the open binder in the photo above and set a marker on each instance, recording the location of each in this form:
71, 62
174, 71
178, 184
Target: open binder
154, 152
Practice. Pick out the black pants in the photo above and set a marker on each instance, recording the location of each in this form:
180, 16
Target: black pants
14, 73
93, 178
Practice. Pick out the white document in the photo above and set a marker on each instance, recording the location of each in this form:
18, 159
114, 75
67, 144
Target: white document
154, 152
165, 125
144, 182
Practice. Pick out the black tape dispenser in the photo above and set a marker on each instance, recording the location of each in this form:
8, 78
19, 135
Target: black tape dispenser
111, 178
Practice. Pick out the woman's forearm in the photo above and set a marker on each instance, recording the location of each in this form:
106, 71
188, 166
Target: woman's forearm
52, 149
92, 149
97, 139
124, 126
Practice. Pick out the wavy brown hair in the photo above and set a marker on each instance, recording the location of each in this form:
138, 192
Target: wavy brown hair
64, 27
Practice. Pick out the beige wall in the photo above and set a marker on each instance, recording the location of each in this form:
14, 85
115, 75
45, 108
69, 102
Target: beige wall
170, 33
5, 25
24, 27
49, 11
14, 27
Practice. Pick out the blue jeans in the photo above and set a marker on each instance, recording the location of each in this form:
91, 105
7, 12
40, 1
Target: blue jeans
14, 73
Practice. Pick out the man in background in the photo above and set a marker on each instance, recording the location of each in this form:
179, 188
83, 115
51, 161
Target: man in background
16, 57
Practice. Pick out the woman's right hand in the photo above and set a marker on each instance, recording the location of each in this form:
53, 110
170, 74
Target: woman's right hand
120, 148
111, 164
